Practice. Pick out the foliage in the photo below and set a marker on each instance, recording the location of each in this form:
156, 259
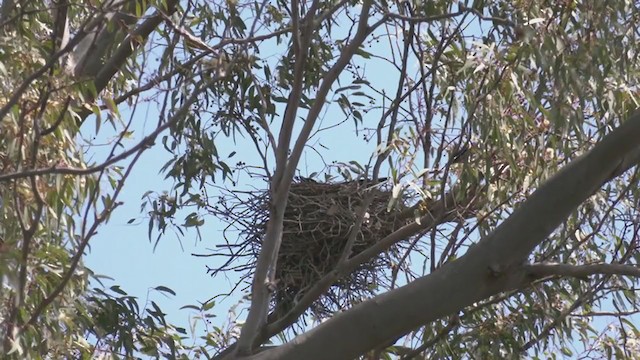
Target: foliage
462, 110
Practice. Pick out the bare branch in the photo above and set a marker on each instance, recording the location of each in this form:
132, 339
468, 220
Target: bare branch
261, 284
321, 95
462, 10
580, 271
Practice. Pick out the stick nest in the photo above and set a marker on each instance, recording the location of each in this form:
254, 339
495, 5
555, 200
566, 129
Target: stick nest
318, 221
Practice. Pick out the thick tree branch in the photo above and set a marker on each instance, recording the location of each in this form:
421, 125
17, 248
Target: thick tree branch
87, 59
491, 267
130, 44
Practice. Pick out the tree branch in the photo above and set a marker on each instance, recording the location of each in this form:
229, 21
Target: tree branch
129, 45
285, 167
492, 266
147, 141
261, 285
540, 270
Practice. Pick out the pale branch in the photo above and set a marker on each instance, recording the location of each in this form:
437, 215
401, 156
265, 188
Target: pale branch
261, 284
580, 271
131, 42
329, 78
492, 266
286, 165
288, 120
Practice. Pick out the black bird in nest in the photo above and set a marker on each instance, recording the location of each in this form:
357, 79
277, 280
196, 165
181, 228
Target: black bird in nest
303, 179
370, 181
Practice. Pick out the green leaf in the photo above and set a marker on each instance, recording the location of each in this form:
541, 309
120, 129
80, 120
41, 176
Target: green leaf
364, 54
207, 306
116, 289
165, 289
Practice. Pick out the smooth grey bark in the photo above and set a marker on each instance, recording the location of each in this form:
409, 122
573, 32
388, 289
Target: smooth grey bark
103, 70
493, 266
89, 56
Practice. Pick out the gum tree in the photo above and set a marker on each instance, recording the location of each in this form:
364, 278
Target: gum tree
502, 133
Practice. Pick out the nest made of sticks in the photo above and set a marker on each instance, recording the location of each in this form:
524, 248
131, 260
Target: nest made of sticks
318, 220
